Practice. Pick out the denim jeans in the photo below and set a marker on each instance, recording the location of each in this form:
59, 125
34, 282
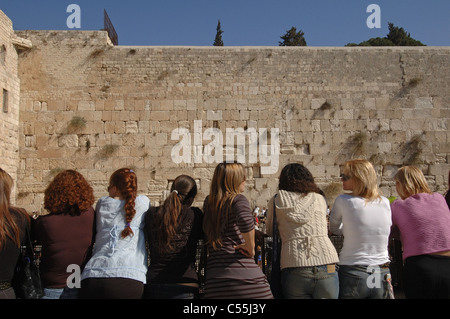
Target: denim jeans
60, 293
170, 291
318, 282
363, 282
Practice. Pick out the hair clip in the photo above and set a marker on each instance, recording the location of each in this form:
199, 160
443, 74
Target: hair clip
175, 191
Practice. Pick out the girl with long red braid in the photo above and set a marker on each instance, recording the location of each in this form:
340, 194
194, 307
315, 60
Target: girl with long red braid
118, 266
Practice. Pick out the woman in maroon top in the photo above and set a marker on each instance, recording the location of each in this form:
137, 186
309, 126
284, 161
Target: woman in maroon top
13, 223
231, 271
66, 234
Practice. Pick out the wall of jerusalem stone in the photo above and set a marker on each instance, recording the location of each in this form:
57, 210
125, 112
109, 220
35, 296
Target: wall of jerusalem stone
94, 107
10, 45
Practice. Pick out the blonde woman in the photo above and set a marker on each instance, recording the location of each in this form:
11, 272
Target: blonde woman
13, 224
363, 216
229, 229
422, 221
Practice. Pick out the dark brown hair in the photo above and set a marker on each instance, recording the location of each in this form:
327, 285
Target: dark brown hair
297, 178
68, 193
125, 180
165, 226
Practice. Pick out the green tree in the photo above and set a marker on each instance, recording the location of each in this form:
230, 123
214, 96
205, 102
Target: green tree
218, 40
293, 38
396, 37
400, 37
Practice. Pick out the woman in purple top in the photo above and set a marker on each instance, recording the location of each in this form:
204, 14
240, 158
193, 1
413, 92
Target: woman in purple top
422, 219
231, 271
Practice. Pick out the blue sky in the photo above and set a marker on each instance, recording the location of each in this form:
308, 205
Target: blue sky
244, 22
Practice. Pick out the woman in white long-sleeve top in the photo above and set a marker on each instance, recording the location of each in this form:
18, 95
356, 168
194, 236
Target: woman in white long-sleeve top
118, 265
364, 218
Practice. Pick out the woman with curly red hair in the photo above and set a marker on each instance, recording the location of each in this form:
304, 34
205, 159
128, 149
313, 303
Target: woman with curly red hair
66, 233
118, 265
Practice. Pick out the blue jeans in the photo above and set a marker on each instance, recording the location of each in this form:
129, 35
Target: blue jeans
170, 291
318, 282
60, 293
363, 282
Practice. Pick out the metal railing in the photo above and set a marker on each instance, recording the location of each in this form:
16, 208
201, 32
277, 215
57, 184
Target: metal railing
109, 27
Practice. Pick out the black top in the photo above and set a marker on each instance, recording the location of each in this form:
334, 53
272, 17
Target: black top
9, 254
176, 266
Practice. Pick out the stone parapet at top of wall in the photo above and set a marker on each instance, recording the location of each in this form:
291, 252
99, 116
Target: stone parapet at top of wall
66, 37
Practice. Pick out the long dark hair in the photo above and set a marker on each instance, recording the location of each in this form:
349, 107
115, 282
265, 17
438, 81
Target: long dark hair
297, 178
165, 225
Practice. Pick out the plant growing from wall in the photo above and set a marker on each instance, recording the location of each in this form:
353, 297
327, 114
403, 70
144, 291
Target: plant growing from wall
413, 150
107, 151
76, 123
407, 87
96, 53
357, 144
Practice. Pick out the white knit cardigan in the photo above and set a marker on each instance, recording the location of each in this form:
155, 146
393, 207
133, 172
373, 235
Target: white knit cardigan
302, 225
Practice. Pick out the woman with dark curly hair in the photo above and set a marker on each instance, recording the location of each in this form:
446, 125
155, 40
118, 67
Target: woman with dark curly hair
118, 265
13, 224
308, 257
66, 233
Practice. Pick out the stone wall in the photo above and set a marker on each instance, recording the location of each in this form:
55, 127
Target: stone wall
94, 107
10, 44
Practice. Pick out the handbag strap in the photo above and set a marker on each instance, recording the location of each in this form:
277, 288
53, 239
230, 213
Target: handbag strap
29, 248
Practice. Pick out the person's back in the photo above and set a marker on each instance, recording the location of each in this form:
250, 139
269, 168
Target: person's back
363, 216
114, 256
118, 266
424, 223
423, 220
9, 253
173, 231
231, 271
65, 239
176, 266
366, 228
13, 224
